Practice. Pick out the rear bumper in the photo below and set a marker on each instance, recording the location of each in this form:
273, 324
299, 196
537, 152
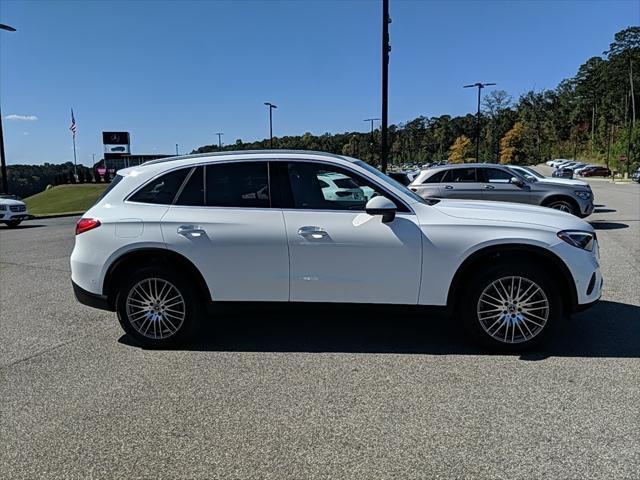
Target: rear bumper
91, 299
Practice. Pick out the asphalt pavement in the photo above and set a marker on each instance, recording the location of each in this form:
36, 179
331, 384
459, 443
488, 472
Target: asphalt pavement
281, 394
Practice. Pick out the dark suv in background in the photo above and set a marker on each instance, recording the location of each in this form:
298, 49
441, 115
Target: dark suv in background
486, 181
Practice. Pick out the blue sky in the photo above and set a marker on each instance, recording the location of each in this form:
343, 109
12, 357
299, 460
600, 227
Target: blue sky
177, 71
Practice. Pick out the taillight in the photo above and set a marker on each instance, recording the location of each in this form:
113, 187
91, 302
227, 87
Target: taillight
86, 224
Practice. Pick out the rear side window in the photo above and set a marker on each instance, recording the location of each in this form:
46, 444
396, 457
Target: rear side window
161, 190
460, 175
435, 178
242, 184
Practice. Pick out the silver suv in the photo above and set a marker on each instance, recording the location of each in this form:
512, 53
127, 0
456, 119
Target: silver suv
486, 181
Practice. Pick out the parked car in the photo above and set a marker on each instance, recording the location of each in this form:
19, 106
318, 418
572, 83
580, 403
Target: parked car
487, 181
576, 171
340, 188
557, 161
172, 237
634, 176
531, 174
563, 172
595, 172
401, 177
12, 210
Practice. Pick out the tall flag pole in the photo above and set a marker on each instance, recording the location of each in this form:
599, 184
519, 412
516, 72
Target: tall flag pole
73, 129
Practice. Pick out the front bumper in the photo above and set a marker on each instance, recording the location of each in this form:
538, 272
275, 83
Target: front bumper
91, 299
10, 216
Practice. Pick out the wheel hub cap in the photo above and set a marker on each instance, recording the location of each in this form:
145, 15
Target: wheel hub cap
513, 309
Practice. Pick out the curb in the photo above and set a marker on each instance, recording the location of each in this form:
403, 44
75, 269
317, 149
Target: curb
55, 215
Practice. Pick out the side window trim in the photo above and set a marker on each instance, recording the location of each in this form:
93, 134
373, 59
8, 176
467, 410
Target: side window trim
184, 184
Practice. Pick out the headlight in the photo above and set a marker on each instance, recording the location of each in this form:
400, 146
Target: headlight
583, 194
577, 238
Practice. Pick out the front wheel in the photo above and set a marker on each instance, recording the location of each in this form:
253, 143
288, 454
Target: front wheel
158, 308
511, 307
563, 206
13, 223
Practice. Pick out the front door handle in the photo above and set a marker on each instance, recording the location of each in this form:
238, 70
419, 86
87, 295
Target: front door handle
448, 187
312, 232
191, 231
489, 187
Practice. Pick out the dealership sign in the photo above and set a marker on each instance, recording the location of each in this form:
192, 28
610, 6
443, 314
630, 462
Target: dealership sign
116, 143
101, 171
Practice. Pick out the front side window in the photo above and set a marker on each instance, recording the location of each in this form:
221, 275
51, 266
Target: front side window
317, 186
495, 175
161, 190
240, 184
460, 175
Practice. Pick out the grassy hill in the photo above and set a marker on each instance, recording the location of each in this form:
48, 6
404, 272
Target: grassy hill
64, 199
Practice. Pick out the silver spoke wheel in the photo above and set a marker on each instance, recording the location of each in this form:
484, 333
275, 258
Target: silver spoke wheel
513, 309
155, 308
563, 207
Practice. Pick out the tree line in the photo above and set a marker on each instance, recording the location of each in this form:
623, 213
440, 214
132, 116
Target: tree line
590, 117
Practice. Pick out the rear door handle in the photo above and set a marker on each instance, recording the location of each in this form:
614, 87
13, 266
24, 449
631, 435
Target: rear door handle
489, 187
191, 231
448, 187
312, 232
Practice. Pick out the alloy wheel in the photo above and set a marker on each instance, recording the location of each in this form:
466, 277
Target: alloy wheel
513, 309
155, 308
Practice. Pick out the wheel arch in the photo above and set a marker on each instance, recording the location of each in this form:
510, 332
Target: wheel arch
513, 252
557, 197
137, 258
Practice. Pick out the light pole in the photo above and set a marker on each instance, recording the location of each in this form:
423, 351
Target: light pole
479, 86
371, 142
219, 139
386, 48
3, 162
271, 107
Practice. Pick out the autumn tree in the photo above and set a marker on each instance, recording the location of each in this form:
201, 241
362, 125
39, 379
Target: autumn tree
511, 146
460, 150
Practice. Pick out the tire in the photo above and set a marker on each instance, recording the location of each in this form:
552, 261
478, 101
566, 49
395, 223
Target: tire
511, 329
562, 205
158, 307
13, 223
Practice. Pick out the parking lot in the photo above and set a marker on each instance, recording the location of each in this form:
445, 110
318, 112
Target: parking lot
363, 393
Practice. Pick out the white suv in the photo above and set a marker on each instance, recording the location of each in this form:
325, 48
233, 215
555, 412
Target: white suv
171, 237
12, 210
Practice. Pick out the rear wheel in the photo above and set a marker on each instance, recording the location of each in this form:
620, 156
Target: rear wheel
511, 307
157, 307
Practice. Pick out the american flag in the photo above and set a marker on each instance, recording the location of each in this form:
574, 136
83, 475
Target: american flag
73, 127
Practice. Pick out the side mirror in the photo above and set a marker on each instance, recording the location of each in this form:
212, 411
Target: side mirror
517, 181
382, 206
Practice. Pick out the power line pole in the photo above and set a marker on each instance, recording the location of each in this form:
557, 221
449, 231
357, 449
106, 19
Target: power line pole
177, 150
219, 134
480, 86
386, 48
271, 107
3, 159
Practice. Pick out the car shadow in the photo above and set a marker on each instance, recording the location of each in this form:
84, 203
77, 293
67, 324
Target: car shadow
604, 210
604, 225
608, 329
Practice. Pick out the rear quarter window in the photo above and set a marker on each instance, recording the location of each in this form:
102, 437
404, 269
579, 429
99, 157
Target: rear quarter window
161, 190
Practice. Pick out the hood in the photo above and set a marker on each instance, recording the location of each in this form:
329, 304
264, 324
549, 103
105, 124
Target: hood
11, 201
564, 181
512, 213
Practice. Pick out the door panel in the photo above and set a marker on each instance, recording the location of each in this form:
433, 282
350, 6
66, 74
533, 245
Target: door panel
497, 186
342, 256
242, 253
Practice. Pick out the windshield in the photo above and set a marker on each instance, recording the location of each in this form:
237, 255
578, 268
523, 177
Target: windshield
390, 181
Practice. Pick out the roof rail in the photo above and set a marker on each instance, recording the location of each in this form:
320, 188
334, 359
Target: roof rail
242, 152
